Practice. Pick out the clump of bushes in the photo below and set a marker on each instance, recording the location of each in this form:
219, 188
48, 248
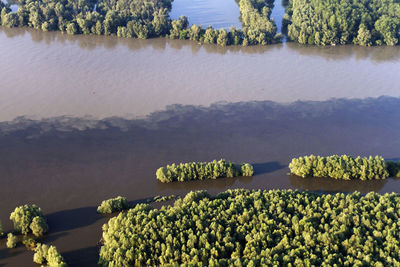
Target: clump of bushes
163, 198
202, 171
340, 167
257, 228
48, 256
113, 205
29, 219
29, 243
12, 241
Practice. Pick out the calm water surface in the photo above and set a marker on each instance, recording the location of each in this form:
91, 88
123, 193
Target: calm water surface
51, 74
217, 13
85, 118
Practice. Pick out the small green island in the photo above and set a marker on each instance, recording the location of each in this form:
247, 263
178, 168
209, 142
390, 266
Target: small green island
257, 228
344, 167
29, 220
203, 170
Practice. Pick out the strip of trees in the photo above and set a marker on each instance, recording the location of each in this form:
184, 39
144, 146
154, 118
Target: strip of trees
257, 228
344, 167
202, 170
139, 19
362, 22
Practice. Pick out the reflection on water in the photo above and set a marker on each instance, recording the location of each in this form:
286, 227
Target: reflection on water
217, 13
52, 74
277, 14
67, 165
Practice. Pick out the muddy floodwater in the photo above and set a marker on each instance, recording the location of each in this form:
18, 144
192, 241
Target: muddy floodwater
86, 118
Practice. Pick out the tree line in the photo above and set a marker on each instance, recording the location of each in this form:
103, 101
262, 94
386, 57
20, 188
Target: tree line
344, 167
202, 170
257, 228
362, 22
139, 19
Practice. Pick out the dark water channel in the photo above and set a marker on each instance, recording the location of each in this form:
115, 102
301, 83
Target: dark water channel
68, 165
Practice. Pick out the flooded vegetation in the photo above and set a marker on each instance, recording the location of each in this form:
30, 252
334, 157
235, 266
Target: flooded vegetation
341, 167
85, 118
257, 228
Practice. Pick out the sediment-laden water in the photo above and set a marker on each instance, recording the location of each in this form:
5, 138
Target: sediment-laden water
86, 118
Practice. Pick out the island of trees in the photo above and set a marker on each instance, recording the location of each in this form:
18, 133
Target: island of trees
362, 22
28, 220
113, 205
344, 167
202, 170
139, 19
257, 228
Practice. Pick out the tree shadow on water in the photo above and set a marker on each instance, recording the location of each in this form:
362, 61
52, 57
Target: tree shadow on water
267, 167
65, 220
9, 253
82, 257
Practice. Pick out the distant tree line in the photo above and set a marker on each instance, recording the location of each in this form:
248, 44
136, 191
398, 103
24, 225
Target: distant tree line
257, 228
362, 22
139, 19
202, 170
344, 167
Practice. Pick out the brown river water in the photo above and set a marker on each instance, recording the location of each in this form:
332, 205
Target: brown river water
86, 118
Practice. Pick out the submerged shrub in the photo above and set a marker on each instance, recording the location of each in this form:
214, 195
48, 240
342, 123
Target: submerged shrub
247, 169
29, 218
29, 242
48, 256
257, 228
340, 167
1, 230
202, 171
12, 241
113, 205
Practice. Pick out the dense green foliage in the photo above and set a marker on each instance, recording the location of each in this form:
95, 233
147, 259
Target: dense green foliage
362, 22
241, 227
202, 170
139, 19
136, 18
12, 240
48, 256
29, 219
340, 167
113, 205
